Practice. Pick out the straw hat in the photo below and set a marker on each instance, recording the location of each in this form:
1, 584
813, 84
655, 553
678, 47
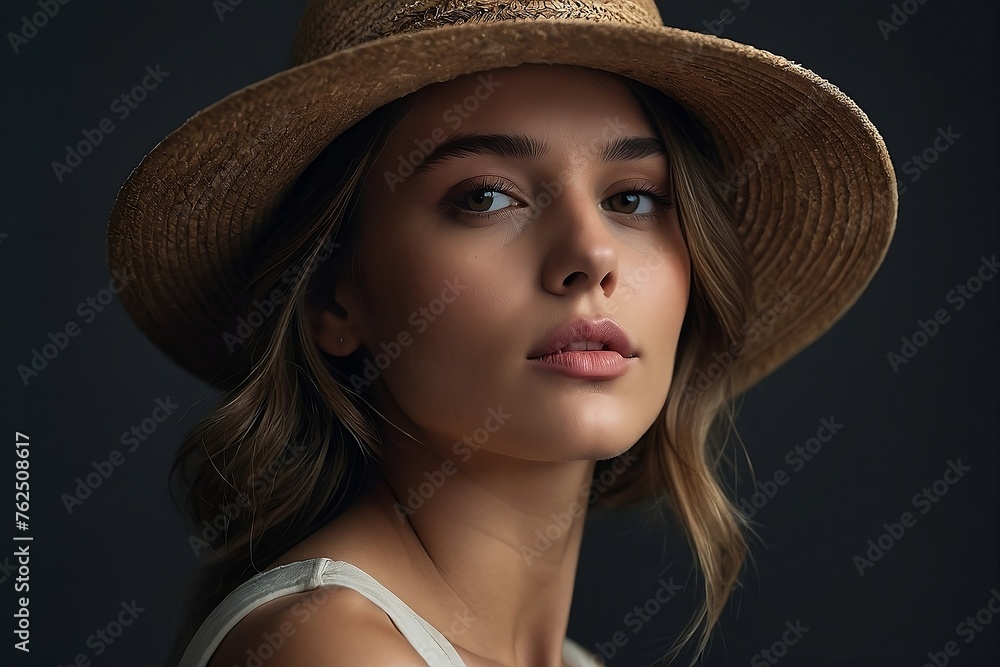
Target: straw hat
808, 175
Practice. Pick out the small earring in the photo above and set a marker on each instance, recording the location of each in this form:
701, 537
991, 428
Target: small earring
341, 340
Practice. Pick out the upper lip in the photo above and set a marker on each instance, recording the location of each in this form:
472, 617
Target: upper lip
601, 331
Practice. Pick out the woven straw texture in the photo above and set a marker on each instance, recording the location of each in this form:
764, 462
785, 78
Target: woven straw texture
814, 189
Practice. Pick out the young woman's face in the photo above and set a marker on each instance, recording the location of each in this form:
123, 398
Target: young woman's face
471, 261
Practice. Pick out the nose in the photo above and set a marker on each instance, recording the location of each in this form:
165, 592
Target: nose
581, 252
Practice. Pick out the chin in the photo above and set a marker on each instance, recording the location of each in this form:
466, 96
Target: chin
605, 452
595, 445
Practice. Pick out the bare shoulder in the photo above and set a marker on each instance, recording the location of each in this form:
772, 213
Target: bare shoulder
329, 626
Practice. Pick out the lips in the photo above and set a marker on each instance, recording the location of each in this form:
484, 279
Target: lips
583, 334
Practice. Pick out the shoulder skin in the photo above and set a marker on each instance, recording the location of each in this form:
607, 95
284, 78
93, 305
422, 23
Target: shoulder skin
329, 627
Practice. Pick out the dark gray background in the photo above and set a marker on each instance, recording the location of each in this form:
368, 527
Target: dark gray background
127, 540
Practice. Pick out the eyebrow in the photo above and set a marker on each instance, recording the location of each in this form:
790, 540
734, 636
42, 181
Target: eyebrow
523, 147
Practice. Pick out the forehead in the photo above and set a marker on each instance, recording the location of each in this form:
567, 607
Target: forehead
559, 104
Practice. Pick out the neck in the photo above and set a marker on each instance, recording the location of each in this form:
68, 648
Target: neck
497, 538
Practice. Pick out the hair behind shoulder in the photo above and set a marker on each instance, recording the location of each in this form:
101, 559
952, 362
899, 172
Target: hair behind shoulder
290, 447
679, 458
293, 445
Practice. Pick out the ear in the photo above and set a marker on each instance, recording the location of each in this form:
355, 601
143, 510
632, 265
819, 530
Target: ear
334, 320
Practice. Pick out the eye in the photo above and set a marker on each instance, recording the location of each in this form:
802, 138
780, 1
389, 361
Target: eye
482, 201
485, 199
491, 198
630, 201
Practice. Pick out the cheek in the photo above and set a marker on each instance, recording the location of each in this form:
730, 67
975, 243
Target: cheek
662, 283
444, 328
672, 293
661, 280
436, 314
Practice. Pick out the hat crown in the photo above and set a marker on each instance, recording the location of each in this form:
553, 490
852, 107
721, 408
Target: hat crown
328, 26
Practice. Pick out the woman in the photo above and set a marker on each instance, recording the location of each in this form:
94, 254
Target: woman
462, 284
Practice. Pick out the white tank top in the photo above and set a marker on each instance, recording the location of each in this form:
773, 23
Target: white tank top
306, 575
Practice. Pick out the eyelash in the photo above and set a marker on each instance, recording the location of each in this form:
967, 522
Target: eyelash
482, 185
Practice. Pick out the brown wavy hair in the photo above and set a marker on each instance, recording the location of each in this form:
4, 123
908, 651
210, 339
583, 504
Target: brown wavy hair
293, 445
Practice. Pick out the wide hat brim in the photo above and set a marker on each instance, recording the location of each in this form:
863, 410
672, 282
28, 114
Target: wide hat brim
812, 185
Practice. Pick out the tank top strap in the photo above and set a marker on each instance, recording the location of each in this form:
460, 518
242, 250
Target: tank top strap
423, 637
306, 575
432, 646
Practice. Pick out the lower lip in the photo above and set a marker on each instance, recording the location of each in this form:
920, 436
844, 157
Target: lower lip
589, 365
